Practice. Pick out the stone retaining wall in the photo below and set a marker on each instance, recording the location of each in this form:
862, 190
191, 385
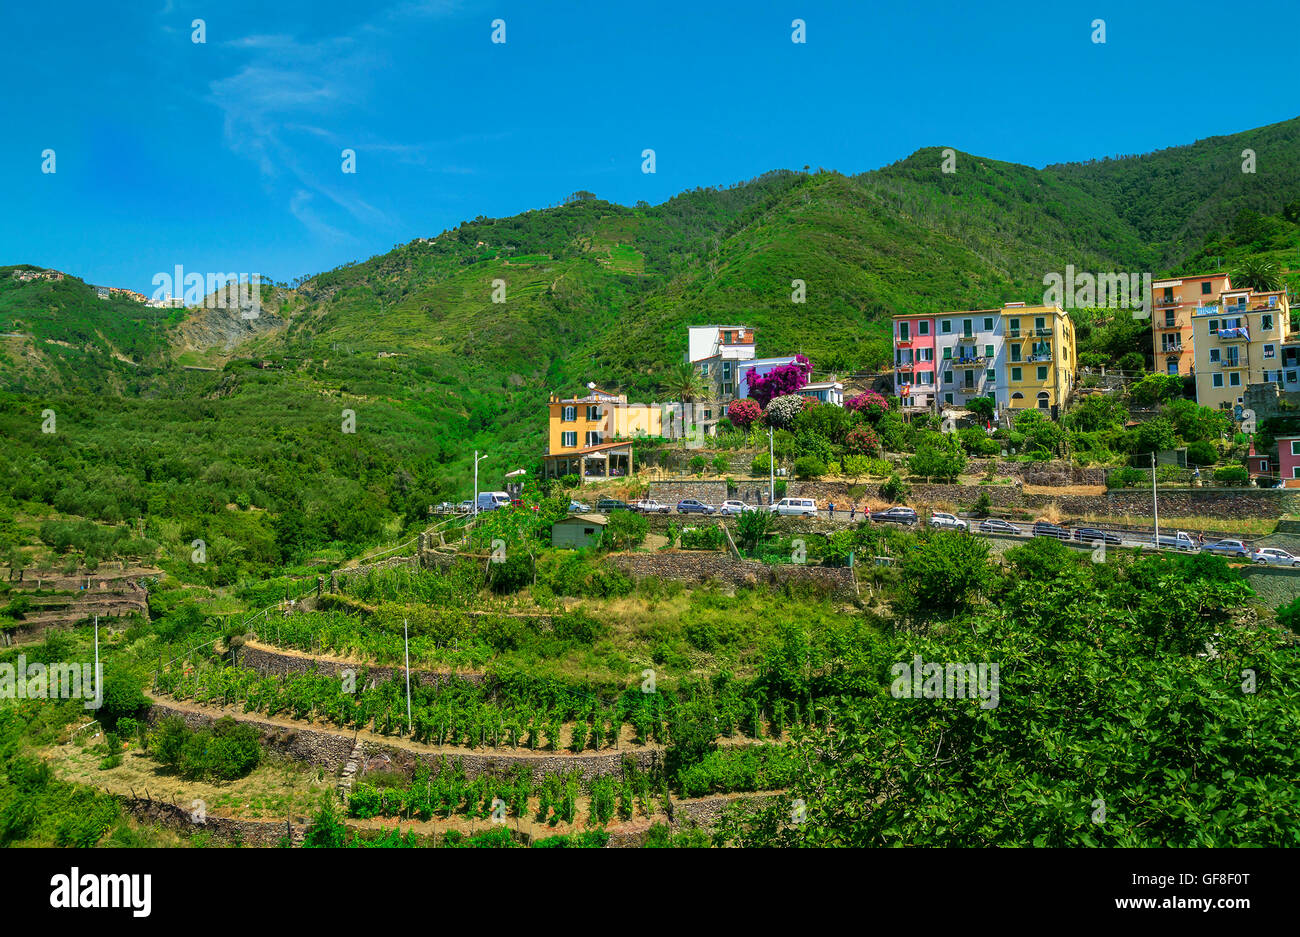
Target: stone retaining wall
228, 830
315, 746
331, 749
670, 492
274, 663
359, 572
838, 582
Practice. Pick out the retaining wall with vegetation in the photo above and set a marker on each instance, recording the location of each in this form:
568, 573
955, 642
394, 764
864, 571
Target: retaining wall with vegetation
838, 582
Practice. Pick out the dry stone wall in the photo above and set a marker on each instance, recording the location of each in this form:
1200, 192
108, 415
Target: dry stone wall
839, 582
274, 663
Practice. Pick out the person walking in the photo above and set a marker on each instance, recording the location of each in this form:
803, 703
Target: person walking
853, 511
832, 510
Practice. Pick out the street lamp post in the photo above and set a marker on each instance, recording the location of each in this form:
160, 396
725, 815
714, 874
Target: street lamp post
1155, 505
771, 469
477, 459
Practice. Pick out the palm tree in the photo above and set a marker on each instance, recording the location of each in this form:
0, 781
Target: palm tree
683, 383
1258, 274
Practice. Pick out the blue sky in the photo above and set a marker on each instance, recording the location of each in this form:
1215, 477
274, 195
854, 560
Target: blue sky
226, 155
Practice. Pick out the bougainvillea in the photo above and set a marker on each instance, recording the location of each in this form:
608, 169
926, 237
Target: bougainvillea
780, 381
868, 403
744, 412
862, 440
780, 413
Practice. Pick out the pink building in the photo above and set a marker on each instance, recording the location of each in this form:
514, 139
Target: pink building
914, 361
1288, 459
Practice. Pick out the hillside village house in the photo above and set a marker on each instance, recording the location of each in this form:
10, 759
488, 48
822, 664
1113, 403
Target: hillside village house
1238, 339
1174, 302
718, 353
1042, 362
1288, 459
1020, 356
914, 361
582, 434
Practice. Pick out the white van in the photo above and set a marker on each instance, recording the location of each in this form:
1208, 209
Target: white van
491, 500
804, 507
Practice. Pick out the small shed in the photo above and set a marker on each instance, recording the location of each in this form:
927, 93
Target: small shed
578, 531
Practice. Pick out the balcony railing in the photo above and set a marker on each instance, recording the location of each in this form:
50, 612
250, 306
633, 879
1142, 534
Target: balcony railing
966, 338
1171, 348
1042, 332
905, 343
1166, 303
1231, 364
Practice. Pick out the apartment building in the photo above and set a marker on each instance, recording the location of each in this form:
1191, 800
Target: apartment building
971, 356
1238, 340
1175, 302
582, 433
718, 353
914, 364
1042, 361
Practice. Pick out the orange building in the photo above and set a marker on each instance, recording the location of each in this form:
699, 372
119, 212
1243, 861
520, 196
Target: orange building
1174, 303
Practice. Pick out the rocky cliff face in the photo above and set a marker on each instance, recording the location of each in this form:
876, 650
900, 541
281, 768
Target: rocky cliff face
227, 323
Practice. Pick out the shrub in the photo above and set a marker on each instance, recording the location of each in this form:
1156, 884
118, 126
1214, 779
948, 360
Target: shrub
782, 411
895, 488
780, 489
982, 504
1231, 475
697, 464
862, 440
869, 403
744, 412
761, 465
625, 530
809, 467
1202, 453
720, 463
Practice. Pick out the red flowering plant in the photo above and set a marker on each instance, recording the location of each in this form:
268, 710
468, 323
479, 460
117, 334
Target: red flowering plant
862, 440
744, 412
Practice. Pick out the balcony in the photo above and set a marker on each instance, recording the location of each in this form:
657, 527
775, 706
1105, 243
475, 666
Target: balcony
966, 338
966, 361
1163, 303
904, 343
1013, 333
1171, 349
1043, 333
1234, 335
1232, 364
1169, 325
1041, 358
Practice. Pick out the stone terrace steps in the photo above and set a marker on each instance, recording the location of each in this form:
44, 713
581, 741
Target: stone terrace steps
350, 770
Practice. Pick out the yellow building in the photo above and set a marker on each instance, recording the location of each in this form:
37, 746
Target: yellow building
1238, 341
588, 436
1041, 357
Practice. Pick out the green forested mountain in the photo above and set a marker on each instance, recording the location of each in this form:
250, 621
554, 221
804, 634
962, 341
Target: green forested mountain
414, 344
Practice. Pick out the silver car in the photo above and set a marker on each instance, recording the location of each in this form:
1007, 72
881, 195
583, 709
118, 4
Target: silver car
577, 507
946, 521
1272, 556
735, 507
1227, 548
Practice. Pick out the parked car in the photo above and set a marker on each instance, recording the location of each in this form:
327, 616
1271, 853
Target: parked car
735, 507
801, 507
577, 507
1273, 556
947, 521
691, 506
1097, 535
491, 500
995, 525
465, 506
609, 505
650, 506
1227, 548
1048, 529
1180, 540
897, 515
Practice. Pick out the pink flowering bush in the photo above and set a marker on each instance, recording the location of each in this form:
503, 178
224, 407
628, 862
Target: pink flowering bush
868, 403
744, 412
862, 440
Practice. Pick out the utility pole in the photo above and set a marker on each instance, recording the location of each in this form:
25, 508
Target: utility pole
477, 460
1155, 504
771, 470
406, 640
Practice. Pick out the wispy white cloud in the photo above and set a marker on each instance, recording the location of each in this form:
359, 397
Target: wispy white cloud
286, 88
